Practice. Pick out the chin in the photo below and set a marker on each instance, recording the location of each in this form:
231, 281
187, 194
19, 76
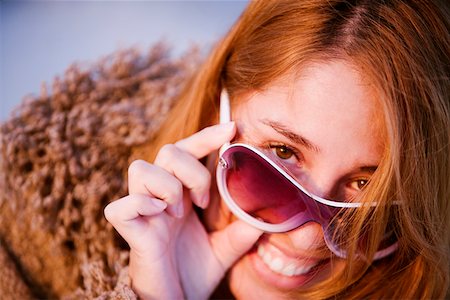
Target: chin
265, 274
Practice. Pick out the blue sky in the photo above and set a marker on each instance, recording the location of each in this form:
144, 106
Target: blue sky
40, 39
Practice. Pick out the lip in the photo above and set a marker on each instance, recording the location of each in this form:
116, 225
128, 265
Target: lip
289, 251
281, 281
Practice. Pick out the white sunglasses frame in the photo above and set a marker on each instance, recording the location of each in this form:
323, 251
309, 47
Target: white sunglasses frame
292, 223
225, 117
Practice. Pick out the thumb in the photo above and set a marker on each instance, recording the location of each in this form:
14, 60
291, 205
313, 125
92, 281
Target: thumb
230, 243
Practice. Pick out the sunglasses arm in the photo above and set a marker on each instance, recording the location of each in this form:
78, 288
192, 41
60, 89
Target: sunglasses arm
225, 114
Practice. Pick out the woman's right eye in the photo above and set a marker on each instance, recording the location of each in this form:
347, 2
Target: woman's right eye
359, 184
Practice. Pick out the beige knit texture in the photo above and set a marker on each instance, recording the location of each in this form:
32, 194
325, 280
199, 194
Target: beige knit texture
63, 158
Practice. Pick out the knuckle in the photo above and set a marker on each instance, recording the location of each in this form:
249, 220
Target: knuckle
137, 167
166, 154
109, 213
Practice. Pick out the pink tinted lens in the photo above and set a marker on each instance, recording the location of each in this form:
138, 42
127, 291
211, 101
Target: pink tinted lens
263, 192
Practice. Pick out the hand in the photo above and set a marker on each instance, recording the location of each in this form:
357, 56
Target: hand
171, 254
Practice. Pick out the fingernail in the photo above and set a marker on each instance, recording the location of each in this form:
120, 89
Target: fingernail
179, 210
204, 201
160, 204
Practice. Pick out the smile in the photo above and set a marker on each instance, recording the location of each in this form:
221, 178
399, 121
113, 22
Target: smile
280, 263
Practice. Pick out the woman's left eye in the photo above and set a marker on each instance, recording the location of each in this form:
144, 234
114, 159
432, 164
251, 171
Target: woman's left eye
285, 153
359, 184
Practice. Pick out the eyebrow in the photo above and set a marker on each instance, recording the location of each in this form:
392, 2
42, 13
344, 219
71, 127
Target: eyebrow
292, 136
368, 169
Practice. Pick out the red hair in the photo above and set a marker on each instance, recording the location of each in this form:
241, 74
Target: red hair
402, 49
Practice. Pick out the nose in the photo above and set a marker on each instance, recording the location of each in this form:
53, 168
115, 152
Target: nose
321, 183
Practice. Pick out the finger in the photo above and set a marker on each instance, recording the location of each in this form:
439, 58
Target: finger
133, 206
185, 167
207, 140
152, 180
230, 243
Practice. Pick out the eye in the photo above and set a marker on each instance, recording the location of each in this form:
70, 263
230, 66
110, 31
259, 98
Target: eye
283, 152
359, 184
285, 156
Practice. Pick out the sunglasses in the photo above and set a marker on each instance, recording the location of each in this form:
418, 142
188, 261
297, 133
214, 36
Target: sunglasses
260, 192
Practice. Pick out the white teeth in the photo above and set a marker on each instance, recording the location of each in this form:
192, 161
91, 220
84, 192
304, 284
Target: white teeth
261, 251
289, 270
302, 270
276, 265
281, 266
267, 258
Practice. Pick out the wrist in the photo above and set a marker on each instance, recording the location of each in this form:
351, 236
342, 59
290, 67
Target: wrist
154, 279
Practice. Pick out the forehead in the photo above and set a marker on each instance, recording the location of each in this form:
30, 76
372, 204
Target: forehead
329, 103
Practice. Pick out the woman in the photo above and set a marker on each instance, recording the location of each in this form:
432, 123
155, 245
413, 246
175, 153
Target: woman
351, 99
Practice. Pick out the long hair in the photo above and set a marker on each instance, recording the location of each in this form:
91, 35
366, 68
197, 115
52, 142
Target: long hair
402, 49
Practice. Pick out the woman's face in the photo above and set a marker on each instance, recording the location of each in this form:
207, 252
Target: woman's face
325, 126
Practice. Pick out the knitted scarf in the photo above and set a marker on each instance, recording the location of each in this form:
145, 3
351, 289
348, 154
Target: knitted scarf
63, 157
